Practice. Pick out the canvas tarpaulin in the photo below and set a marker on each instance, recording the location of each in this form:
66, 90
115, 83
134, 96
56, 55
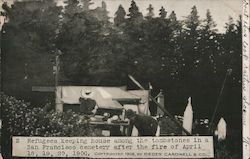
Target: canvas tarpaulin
143, 107
105, 97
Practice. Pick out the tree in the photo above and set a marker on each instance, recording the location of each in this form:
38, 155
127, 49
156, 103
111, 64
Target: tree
83, 40
101, 13
119, 16
72, 7
134, 14
191, 39
77, 39
150, 11
209, 25
229, 61
28, 40
104, 70
230, 26
172, 16
86, 4
209, 44
189, 57
163, 13
174, 25
205, 61
232, 49
192, 22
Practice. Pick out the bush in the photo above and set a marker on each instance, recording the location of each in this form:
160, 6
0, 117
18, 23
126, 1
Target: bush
21, 119
168, 127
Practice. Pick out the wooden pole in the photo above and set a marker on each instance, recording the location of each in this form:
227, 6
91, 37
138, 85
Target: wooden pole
57, 69
229, 71
56, 78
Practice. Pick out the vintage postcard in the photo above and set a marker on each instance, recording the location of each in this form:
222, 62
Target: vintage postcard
125, 79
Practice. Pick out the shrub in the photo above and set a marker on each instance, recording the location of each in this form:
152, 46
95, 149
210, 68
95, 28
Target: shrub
21, 119
168, 127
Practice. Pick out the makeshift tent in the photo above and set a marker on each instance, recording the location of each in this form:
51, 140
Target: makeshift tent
105, 97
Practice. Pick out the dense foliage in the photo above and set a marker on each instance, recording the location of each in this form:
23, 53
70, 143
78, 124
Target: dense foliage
20, 119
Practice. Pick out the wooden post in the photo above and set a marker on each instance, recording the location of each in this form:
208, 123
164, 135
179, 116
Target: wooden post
58, 104
160, 99
56, 82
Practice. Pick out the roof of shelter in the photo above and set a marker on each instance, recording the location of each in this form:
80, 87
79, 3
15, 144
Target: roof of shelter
106, 97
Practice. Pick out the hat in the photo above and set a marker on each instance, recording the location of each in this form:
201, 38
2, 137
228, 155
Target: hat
87, 93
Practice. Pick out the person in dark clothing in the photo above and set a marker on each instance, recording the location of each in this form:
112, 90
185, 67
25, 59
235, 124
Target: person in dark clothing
146, 125
87, 105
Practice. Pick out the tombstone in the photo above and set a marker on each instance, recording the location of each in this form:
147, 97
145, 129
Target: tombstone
160, 100
222, 129
188, 117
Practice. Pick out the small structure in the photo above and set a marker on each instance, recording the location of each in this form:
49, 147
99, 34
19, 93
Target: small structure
109, 100
112, 99
188, 117
106, 97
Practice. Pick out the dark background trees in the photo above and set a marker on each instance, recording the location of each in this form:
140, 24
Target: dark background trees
27, 43
183, 57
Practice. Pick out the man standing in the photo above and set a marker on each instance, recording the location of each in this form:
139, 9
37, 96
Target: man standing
87, 103
146, 125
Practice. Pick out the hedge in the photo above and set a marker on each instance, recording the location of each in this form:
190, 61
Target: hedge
22, 119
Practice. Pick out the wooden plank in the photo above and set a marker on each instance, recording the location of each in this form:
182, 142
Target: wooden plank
43, 89
108, 124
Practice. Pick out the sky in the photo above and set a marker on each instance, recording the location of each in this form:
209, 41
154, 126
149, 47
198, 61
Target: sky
220, 9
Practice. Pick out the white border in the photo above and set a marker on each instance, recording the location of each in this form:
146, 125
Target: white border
245, 81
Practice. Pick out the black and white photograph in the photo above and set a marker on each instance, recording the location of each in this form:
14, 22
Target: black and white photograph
122, 68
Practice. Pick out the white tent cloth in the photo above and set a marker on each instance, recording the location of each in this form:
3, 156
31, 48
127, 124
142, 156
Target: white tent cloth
106, 97
160, 100
143, 107
188, 117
